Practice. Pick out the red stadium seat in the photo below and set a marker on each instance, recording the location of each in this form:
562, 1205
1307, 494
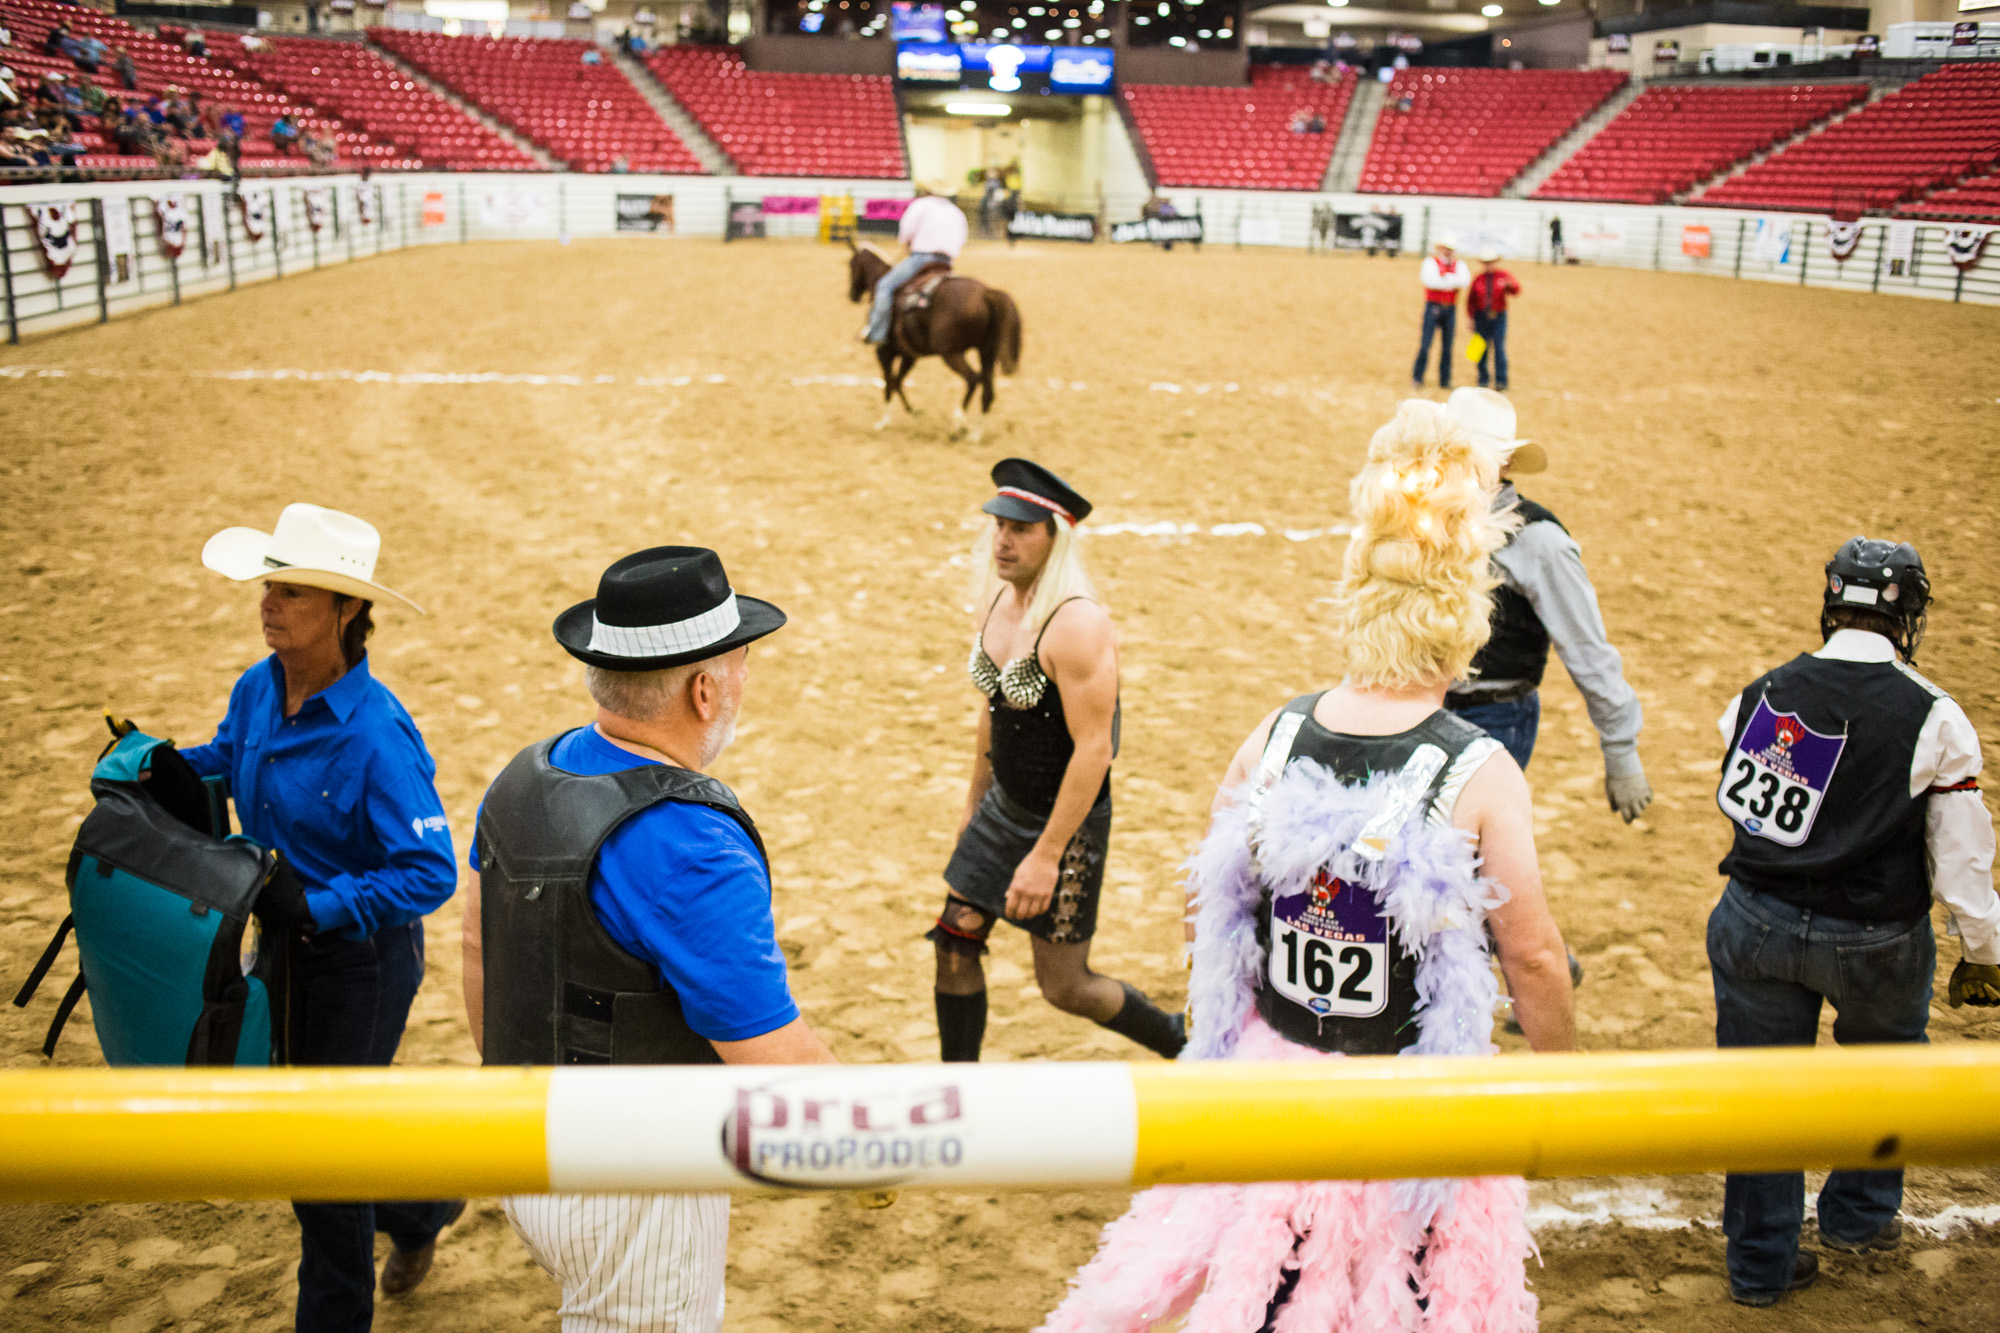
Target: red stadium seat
1241, 138
1471, 131
787, 124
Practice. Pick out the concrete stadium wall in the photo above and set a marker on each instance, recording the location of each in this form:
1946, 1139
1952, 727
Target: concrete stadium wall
423, 209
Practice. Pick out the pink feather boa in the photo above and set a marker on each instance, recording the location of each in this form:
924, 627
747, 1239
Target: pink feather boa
1378, 1256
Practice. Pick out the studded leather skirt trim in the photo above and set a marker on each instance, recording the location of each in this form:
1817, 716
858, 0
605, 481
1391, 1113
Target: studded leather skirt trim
1000, 837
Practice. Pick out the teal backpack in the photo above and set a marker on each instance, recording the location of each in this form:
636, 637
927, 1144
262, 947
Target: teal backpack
159, 896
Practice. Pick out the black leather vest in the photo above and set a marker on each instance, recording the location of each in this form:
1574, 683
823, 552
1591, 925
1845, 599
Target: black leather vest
1331, 960
558, 988
1519, 646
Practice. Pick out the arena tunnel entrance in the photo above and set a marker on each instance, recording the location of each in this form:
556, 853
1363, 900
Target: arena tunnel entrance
1053, 144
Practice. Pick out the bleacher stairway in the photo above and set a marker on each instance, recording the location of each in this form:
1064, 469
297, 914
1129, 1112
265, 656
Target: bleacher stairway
1563, 149
717, 162
1350, 150
477, 112
1879, 90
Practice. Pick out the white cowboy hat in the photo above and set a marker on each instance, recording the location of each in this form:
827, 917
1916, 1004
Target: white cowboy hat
1490, 419
320, 548
1445, 241
1490, 255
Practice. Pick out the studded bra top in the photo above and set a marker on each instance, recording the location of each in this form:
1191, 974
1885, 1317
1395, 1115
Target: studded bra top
1031, 744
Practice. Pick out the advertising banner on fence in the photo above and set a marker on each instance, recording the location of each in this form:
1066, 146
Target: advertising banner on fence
789, 205
1771, 243
745, 221
256, 206
1965, 244
514, 207
213, 220
1367, 231
1599, 240
1697, 242
119, 247
1899, 249
319, 207
646, 212
367, 201
1841, 239
1258, 231
1057, 227
434, 209
1156, 229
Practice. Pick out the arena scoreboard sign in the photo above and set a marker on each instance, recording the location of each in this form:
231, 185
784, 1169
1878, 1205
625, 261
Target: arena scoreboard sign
1004, 67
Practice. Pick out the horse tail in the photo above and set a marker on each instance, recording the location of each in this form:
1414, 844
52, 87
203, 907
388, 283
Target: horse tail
1004, 330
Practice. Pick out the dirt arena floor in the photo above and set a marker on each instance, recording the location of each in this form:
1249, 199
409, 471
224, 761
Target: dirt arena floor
1712, 442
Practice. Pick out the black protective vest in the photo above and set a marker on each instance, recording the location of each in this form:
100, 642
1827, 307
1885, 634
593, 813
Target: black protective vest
1353, 759
1817, 786
559, 990
1519, 646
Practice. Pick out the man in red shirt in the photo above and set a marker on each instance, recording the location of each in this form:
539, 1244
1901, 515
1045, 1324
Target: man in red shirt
1486, 302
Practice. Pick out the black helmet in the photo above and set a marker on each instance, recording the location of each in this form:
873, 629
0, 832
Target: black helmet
1884, 578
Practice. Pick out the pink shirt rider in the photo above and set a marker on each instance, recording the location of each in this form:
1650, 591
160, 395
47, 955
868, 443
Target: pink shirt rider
933, 225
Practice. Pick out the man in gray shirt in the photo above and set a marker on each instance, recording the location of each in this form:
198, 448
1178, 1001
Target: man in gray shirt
1545, 600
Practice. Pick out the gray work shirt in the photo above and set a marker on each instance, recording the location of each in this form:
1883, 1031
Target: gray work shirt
1544, 564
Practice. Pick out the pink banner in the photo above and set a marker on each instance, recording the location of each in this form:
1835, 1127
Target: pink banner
776, 204
885, 208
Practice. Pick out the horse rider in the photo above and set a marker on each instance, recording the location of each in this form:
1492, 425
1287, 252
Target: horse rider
933, 231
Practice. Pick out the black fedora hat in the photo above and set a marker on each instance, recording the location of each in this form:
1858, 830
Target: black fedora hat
663, 607
1030, 493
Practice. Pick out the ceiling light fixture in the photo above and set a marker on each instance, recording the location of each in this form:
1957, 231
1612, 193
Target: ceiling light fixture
977, 109
1491, 11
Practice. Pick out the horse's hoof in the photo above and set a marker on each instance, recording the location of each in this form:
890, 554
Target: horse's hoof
882, 422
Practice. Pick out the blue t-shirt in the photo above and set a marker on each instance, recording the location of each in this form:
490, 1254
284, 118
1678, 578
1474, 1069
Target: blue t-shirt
682, 886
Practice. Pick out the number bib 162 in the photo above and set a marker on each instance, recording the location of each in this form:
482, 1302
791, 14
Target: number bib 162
1777, 776
1330, 950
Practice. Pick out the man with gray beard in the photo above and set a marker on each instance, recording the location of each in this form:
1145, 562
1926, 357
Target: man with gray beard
622, 915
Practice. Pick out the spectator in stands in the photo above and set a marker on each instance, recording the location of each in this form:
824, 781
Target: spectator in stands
592, 56
54, 43
284, 133
49, 92
1557, 254
1298, 125
134, 135
211, 121
194, 43
217, 163
13, 156
621, 165
180, 117
1316, 124
232, 123
1486, 304
89, 55
128, 73
6, 35
252, 43
318, 151
94, 98
1406, 103
1444, 276
8, 95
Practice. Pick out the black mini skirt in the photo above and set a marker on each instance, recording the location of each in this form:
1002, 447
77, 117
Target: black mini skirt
999, 838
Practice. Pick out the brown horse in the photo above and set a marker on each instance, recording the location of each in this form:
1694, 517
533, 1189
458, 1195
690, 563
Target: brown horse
963, 314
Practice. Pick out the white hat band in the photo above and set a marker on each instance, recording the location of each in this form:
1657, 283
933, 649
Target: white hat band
682, 636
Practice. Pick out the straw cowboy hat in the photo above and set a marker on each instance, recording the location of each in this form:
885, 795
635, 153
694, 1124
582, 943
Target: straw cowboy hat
320, 548
1490, 419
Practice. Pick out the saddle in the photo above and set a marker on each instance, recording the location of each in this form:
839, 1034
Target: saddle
917, 292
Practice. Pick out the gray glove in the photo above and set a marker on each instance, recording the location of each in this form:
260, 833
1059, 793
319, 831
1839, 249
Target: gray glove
1629, 793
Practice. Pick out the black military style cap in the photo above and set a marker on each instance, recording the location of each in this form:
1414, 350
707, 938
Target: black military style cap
1030, 493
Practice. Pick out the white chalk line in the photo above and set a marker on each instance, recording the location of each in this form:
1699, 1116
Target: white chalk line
546, 380
1651, 1208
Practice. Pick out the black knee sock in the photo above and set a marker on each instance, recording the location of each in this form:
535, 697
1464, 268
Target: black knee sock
1146, 1023
961, 1026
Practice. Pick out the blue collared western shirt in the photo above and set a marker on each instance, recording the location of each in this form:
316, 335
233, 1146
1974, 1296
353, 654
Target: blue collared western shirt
344, 788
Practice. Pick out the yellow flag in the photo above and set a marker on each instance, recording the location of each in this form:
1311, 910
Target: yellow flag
1475, 348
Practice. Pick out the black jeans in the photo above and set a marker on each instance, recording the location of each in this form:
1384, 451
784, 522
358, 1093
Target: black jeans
1773, 965
352, 998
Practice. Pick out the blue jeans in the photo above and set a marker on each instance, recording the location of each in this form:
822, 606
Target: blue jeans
351, 999
1441, 320
1493, 328
1513, 724
885, 292
1773, 964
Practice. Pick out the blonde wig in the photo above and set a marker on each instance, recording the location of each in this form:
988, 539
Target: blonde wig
1415, 603
1063, 575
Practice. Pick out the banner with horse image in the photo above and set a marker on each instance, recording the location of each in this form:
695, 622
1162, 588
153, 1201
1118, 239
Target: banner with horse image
1964, 246
1368, 231
645, 212
1842, 240
55, 232
256, 209
170, 223
319, 208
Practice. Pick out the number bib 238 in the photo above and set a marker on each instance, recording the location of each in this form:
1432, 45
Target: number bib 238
1777, 776
1330, 950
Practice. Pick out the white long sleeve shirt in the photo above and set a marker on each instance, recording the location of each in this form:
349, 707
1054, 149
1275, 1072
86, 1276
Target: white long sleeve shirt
1441, 286
1958, 830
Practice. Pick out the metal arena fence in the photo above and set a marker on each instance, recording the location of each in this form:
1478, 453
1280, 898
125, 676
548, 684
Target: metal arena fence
119, 265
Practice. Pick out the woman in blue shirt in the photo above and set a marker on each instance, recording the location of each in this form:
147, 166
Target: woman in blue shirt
326, 768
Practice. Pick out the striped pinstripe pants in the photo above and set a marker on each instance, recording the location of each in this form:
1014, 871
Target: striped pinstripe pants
630, 1263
